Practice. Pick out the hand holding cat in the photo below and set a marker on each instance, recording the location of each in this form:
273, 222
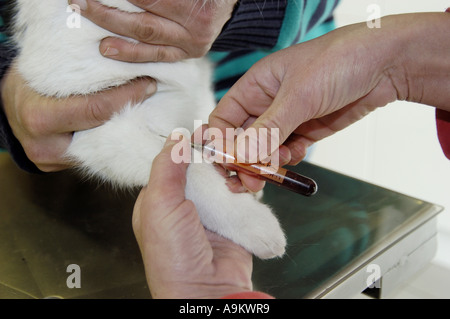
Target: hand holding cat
181, 258
44, 125
166, 31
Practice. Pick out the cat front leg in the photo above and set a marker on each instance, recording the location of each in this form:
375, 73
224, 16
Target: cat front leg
119, 152
239, 217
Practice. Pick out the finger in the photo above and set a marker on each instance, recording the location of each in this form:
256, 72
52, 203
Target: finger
53, 168
48, 154
278, 122
284, 155
142, 26
281, 117
245, 100
136, 218
235, 185
173, 8
167, 179
161, 205
252, 183
79, 113
298, 146
138, 52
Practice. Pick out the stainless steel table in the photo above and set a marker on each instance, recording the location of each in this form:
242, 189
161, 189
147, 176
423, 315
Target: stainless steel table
341, 240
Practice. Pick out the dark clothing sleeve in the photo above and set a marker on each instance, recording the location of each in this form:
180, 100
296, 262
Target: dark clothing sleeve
8, 141
254, 25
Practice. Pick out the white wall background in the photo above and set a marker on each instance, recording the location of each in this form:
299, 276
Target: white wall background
395, 147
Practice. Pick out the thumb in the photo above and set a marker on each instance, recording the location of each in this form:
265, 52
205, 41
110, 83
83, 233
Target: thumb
166, 187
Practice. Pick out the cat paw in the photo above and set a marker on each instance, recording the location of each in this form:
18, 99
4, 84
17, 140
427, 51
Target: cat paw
267, 241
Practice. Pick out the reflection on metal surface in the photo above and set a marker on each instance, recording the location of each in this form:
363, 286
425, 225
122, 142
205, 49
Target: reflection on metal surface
48, 222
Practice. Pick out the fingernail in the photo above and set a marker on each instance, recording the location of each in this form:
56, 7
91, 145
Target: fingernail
151, 89
170, 142
235, 185
81, 3
110, 52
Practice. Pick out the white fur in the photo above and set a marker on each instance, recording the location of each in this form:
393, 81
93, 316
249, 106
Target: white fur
59, 61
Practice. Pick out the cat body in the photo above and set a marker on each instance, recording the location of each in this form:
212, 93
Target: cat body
57, 60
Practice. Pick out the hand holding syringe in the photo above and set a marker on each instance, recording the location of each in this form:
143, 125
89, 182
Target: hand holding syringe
273, 174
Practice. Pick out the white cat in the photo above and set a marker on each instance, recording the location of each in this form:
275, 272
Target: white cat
60, 61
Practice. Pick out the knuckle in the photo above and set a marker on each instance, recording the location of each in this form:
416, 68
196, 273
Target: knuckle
34, 123
94, 112
134, 54
171, 54
44, 154
141, 3
160, 54
274, 122
144, 30
34, 152
206, 14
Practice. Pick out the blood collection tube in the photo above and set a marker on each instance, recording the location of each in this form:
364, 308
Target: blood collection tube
276, 175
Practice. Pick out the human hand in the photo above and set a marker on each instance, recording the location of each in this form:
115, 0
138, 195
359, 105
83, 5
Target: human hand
167, 31
45, 125
310, 91
181, 258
